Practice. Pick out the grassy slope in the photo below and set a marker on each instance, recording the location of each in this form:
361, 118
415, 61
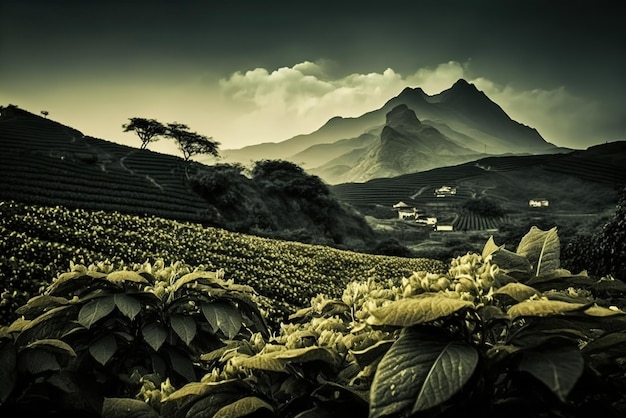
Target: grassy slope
44, 162
38, 242
47, 163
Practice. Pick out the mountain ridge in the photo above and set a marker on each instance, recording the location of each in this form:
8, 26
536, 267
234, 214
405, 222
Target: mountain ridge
466, 115
405, 145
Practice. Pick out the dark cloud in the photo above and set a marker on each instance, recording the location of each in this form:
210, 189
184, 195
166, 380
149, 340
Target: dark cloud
532, 44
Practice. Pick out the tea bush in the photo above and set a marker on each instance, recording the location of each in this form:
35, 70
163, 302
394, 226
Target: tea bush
499, 333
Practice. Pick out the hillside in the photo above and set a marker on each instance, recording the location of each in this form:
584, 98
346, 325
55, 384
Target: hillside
579, 183
45, 162
38, 242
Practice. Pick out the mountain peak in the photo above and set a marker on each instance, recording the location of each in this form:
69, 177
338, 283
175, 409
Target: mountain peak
402, 115
461, 88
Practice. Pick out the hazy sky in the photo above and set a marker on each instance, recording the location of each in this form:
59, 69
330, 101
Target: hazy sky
248, 72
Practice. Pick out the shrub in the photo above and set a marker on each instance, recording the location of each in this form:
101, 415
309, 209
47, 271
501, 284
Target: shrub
96, 333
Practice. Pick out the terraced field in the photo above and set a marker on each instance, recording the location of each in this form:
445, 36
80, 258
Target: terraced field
44, 162
38, 242
578, 183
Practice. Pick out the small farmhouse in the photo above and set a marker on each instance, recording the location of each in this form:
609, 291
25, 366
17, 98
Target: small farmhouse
429, 220
538, 203
444, 191
405, 211
439, 227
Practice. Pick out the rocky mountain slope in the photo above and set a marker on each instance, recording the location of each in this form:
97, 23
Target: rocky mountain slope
462, 113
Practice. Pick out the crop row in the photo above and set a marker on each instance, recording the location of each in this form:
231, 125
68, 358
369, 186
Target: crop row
477, 222
390, 191
287, 274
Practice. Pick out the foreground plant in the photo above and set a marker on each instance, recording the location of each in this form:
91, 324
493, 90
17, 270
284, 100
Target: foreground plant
501, 332
98, 332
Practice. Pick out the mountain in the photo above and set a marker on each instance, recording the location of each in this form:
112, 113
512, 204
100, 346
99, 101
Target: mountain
464, 114
405, 146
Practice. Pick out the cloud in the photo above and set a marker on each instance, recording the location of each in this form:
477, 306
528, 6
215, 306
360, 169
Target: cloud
299, 99
435, 80
288, 101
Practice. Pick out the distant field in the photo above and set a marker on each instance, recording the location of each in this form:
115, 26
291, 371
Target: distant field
38, 242
574, 184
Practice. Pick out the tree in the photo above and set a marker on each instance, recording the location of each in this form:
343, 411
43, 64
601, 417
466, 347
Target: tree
191, 143
45, 113
148, 130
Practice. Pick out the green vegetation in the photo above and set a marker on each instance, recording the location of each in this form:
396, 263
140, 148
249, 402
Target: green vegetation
497, 333
278, 199
39, 241
603, 250
148, 130
46, 163
190, 143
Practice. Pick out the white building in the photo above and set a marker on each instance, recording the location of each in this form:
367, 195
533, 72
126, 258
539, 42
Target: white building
405, 211
538, 203
444, 191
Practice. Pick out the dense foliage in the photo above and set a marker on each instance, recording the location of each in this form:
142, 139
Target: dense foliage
39, 241
603, 251
500, 333
483, 206
278, 199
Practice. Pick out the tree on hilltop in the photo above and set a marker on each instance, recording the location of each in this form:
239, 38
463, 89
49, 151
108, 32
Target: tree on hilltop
148, 130
191, 143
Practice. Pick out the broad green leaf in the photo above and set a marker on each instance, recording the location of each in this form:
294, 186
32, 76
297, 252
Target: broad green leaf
265, 361
601, 311
606, 343
371, 353
192, 277
184, 326
51, 324
542, 307
419, 373
308, 354
77, 283
122, 276
8, 362
103, 349
561, 279
95, 310
190, 389
39, 361
510, 262
214, 396
182, 365
412, 311
558, 368
301, 313
223, 316
53, 345
490, 247
38, 304
154, 334
243, 407
64, 381
128, 305
199, 389
517, 291
126, 408
542, 249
